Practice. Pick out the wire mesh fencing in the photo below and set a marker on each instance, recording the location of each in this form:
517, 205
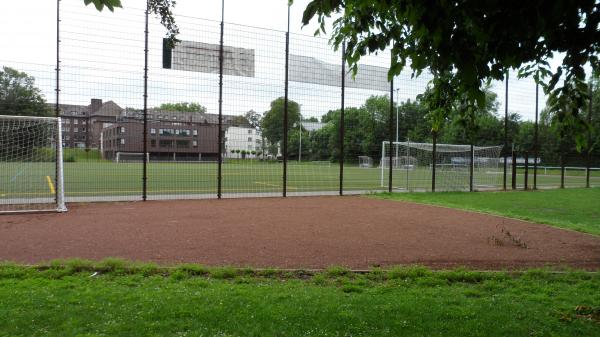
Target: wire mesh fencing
206, 118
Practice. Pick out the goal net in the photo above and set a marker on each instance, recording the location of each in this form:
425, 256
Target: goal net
412, 165
31, 171
131, 157
365, 161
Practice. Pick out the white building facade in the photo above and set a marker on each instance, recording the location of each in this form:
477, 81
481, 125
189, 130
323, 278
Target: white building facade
238, 139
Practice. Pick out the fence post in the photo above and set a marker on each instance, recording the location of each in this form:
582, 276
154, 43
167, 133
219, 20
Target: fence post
220, 131
391, 132
535, 139
342, 126
526, 187
57, 89
285, 104
145, 132
514, 170
588, 163
562, 166
471, 168
505, 131
433, 155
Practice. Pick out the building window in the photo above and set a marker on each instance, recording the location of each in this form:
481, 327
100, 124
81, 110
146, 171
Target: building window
153, 142
122, 130
122, 141
250, 139
250, 131
75, 121
182, 144
75, 129
195, 132
67, 121
195, 143
83, 122
83, 130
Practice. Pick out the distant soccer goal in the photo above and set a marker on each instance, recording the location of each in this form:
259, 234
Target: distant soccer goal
365, 161
131, 157
31, 171
453, 165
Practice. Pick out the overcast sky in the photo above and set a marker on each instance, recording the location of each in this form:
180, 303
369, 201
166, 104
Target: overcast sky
102, 56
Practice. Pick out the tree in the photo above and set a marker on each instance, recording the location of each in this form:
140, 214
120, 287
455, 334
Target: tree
473, 41
183, 107
253, 118
161, 8
19, 95
272, 121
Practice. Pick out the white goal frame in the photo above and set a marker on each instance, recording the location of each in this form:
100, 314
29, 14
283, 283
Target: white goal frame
59, 190
141, 154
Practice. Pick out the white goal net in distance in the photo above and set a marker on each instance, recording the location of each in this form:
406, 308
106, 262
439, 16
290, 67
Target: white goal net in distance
31, 170
412, 166
131, 157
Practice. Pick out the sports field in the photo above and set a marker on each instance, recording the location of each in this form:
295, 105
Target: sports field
105, 179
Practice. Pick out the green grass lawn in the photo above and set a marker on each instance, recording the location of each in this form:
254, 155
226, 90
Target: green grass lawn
577, 209
194, 301
105, 178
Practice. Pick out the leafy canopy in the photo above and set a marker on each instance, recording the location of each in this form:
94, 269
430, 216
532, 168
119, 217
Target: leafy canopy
183, 107
161, 8
465, 43
19, 96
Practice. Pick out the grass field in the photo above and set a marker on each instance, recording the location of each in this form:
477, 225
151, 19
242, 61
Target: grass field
575, 209
104, 178
195, 301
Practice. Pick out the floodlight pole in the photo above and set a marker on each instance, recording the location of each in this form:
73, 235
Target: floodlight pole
145, 132
220, 135
285, 104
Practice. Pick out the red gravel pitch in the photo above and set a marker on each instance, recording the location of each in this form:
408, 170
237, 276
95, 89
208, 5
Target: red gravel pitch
309, 232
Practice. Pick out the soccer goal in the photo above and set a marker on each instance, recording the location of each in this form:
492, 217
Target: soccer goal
365, 161
413, 162
131, 157
31, 166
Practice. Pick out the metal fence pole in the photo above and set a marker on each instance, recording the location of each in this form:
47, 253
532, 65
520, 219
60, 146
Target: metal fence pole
535, 139
471, 168
391, 133
505, 132
588, 163
526, 187
513, 183
285, 104
342, 126
145, 132
57, 105
220, 135
433, 158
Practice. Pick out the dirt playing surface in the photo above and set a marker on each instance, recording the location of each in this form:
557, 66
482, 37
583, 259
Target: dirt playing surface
308, 232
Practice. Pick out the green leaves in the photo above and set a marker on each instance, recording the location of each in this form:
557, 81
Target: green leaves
110, 4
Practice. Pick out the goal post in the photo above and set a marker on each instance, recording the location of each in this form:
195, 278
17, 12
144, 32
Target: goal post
455, 165
131, 157
31, 164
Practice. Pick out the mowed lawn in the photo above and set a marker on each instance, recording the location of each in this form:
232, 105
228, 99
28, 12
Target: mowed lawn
193, 301
576, 208
105, 178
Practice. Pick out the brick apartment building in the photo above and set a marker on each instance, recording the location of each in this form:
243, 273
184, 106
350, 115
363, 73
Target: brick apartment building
82, 124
